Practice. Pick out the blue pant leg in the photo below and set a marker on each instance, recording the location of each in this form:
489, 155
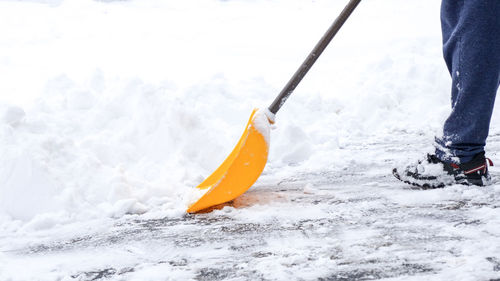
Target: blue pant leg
471, 48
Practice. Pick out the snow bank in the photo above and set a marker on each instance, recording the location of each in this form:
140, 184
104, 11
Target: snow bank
111, 148
83, 152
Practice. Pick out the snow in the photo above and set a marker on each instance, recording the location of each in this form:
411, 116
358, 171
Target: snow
262, 124
112, 112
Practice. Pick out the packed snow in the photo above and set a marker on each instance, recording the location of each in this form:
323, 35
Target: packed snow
112, 112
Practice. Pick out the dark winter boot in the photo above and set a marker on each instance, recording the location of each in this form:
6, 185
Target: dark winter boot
434, 173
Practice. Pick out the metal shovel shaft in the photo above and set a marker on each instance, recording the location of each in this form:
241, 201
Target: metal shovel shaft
313, 56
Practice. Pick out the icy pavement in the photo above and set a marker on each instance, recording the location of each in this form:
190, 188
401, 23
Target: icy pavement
350, 223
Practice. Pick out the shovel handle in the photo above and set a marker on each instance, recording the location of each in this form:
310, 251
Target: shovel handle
313, 56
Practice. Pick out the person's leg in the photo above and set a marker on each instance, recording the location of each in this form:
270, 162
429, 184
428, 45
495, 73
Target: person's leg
471, 47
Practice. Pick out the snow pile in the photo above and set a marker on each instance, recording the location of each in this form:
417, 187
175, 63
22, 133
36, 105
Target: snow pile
124, 148
81, 152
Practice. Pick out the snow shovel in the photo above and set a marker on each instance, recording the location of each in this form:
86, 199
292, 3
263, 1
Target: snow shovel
246, 162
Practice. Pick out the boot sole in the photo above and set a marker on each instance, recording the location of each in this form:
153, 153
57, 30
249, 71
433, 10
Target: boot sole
477, 182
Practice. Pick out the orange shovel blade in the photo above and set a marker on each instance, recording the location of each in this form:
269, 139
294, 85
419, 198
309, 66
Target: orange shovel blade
241, 168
